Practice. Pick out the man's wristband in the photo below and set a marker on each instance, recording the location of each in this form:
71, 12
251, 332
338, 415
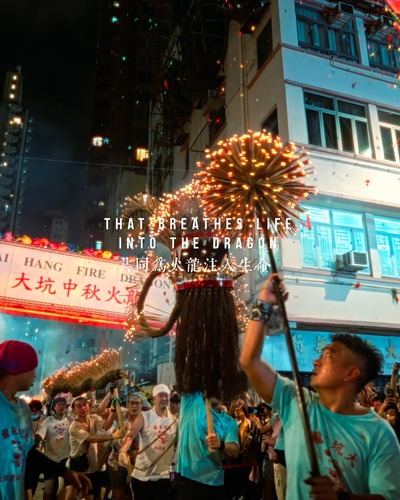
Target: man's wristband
222, 445
261, 311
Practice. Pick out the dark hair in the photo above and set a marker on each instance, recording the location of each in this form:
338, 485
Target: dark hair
372, 356
207, 347
175, 398
58, 400
35, 404
244, 410
76, 399
135, 394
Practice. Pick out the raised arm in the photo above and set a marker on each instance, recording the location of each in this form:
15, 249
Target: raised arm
261, 375
393, 381
103, 405
134, 430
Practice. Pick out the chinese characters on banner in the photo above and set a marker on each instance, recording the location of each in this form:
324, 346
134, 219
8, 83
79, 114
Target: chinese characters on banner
74, 287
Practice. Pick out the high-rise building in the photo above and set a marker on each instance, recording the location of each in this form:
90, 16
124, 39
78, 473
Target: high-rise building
15, 136
58, 225
132, 36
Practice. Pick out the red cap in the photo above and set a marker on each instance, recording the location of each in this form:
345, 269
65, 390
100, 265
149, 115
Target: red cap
17, 357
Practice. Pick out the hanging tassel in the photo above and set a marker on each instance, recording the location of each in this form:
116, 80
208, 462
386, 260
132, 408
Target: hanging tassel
307, 224
207, 342
395, 296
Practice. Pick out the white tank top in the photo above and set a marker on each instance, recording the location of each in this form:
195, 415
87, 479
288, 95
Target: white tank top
148, 466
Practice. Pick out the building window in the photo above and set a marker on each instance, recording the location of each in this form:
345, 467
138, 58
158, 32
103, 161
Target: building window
388, 241
270, 124
390, 134
326, 233
337, 124
264, 44
142, 154
17, 120
97, 141
146, 43
316, 34
384, 54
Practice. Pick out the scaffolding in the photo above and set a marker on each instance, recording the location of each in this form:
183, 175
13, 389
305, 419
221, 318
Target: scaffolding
191, 76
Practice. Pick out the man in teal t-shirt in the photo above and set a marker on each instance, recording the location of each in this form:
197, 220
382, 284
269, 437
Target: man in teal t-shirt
20, 461
200, 456
358, 452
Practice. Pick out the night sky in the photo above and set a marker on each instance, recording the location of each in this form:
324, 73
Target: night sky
55, 44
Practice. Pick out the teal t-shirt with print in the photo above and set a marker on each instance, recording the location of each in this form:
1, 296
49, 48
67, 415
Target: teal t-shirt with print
360, 453
16, 439
194, 459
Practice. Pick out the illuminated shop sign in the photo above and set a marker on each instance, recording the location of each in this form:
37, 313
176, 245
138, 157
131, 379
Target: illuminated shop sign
73, 287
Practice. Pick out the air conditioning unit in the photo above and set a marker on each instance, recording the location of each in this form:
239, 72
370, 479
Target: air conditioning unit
352, 261
381, 28
340, 15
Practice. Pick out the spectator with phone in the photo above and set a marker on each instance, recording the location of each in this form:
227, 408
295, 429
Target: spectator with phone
390, 412
377, 402
393, 382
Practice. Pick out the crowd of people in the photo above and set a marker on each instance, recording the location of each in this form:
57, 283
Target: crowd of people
163, 448
140, 460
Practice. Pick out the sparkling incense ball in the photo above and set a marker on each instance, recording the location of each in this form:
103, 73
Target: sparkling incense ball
256, 175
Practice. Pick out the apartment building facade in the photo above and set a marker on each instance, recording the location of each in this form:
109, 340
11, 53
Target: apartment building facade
325, 76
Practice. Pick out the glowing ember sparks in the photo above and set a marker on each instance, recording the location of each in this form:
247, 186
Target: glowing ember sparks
81, 377
256, 174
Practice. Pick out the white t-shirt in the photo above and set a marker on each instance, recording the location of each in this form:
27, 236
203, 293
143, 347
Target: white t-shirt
55, 433
147, 466
78, 433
